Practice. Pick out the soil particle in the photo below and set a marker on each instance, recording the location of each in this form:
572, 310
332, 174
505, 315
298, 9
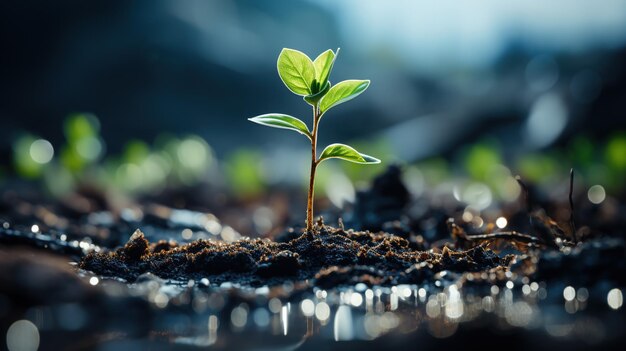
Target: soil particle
331, 256
136, 247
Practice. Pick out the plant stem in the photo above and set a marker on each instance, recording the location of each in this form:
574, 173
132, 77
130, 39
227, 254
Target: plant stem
571, 204
314, 162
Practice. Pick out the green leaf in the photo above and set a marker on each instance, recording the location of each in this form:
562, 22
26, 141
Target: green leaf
323, 65
278, 120
347, 153
297, 71
342, 92
313, 99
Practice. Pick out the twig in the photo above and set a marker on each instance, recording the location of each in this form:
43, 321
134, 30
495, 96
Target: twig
460, 234
571, 204
528, 200
507, 235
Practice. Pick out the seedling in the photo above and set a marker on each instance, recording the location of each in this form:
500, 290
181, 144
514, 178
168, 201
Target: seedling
309, 79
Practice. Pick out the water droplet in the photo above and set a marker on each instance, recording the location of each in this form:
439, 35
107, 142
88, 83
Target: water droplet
488, 304
596, 194
322, 311
569, 293
22, 335
274, 305
160, 300
534, 286
421, 293
615, 298
356, 299
261, 317
229, 234
187, 233
519, 314
41, 151
501, 222
582, 294
432, 308
239, 316
308, 307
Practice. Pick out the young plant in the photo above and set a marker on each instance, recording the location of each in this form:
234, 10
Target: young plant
309, 79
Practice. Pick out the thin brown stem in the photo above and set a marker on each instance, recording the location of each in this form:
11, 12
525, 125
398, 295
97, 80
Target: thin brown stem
314, 162
529, 202
507, 235
571, 204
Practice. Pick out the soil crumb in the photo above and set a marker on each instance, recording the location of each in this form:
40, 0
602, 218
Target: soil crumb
331, 257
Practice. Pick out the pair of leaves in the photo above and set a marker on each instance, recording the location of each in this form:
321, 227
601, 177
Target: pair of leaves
303, 76
341, 151
310, 79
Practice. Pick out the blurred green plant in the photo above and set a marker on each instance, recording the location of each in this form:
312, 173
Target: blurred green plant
538, 168
184, 161
480, 158
84, 145
28, 156
615, 153
140, 168
434, 170
243, 170
171, 162
309, 79
615, 156
581, 152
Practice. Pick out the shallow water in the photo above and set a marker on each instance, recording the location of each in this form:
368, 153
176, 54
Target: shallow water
196, 314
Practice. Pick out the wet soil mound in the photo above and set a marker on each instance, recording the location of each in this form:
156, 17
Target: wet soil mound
330, 257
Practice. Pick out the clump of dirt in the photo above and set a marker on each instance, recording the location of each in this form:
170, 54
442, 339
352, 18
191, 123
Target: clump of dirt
329, 257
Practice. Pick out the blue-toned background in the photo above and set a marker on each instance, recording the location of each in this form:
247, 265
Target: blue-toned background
503, 82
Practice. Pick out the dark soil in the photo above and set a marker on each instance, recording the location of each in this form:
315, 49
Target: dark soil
331, 257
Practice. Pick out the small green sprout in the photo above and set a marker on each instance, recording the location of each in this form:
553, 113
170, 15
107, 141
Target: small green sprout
309, 79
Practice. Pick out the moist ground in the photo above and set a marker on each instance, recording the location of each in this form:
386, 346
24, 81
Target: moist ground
329, 257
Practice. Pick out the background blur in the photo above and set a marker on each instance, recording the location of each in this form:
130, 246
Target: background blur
145, 94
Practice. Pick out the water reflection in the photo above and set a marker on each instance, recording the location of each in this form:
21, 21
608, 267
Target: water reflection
284, 319
342, 327
365, 313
